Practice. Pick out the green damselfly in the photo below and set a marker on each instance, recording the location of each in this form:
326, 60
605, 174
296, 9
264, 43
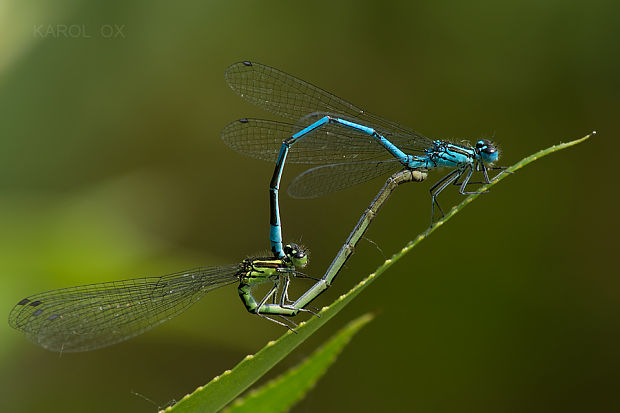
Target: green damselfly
92, 316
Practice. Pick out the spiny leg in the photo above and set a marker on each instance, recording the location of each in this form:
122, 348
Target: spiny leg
279, 322
299, 274
271, 292
466, 178
466, 182
312, 310
502, 171
440, 186
484, 170
480, 167
285, 302
262, 306
288, 320
274, 296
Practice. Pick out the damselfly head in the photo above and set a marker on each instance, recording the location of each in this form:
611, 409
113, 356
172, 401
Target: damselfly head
487, 150
297, 255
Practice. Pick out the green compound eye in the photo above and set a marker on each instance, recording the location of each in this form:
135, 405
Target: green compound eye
300, 261
296, 254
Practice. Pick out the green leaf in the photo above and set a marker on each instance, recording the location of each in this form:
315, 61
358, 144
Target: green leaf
223, 389
282, 393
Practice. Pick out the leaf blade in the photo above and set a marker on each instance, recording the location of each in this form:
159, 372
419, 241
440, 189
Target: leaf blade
223, 389
283, 392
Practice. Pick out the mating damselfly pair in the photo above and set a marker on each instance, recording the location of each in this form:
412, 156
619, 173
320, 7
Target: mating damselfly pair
348, 146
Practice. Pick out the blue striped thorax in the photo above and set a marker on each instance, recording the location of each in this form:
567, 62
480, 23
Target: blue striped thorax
451, 155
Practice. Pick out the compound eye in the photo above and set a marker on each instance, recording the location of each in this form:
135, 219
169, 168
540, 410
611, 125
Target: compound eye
294, 251
486, 146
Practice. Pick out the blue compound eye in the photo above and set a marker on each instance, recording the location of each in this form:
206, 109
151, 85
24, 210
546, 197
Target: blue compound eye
486, 147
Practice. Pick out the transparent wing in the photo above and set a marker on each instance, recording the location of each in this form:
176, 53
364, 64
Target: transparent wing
93, 316
325, 179
262, 139
293, 98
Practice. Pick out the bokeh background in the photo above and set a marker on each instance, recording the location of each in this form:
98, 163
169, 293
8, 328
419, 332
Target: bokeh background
111, 166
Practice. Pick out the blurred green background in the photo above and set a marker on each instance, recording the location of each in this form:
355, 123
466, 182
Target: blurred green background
111, 166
